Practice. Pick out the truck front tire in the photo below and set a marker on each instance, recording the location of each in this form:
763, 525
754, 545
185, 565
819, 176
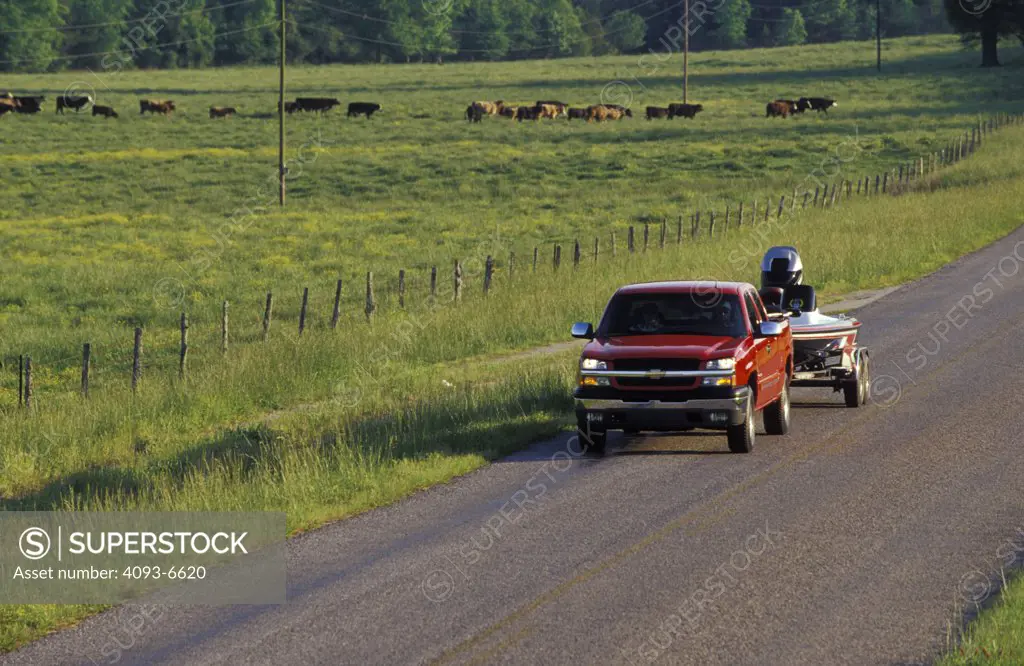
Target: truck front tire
591, 439
741, 437
776, 415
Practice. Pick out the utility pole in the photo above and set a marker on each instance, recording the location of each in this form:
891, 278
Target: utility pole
280, 115
686, 47
878, 30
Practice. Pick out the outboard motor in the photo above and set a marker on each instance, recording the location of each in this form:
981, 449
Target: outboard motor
781, 267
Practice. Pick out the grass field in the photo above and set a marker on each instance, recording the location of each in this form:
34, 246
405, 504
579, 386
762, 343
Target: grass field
99, 213
996, 637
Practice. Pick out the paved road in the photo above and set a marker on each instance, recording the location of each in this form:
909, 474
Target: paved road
860, 539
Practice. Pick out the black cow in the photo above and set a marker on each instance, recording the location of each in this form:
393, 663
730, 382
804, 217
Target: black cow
76, 102
684, 110
578, 113
105, 111
474, 113
658, 112
30, 103
363, 108
318, 104
816, 103
527, 113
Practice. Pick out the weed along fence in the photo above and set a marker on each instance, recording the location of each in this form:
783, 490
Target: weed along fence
705, 226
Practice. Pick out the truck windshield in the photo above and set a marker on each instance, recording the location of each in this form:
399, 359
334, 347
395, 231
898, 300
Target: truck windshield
674, 314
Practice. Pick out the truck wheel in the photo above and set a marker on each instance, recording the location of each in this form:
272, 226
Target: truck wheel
776, 415
592, 440
856, 390
741, 437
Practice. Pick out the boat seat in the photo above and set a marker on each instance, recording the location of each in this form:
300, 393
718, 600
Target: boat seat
772, 298
800, 297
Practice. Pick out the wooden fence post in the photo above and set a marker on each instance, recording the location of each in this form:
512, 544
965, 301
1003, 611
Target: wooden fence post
457, 280
679, 231
725, 224
511, 265
807, 195
433, 283
647, 235
371, 303
557, 258
753, 213
849, 188
711, 226
885, 181
858, 185
664, 230
183, 354
613, 243
739, 216
597, 248
782, 202
835, 193
767, 208
629, 240
21, 380
401, 288
224, 328
137, 360
576, 253
336, 312
878, 181
86, 353
28, 382
268, 312
488, 273
900, 181
302, 310
814, 204
536, 251
695, 226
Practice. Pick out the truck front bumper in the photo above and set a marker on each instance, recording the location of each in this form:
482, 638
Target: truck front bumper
616, 413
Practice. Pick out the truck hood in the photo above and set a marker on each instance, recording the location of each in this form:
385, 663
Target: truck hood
660, 346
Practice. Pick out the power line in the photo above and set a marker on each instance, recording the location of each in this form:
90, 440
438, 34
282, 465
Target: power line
125, 22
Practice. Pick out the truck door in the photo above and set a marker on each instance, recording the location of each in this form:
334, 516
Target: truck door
768, 353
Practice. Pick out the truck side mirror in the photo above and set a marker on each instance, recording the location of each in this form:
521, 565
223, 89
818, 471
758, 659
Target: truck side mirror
769, 329
583, 330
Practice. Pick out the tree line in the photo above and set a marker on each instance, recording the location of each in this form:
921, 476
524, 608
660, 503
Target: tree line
42, 35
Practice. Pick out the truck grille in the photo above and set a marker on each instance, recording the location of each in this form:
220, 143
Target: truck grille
655, 364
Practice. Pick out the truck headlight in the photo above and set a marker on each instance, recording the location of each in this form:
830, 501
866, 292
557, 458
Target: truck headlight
721, 364
593, 364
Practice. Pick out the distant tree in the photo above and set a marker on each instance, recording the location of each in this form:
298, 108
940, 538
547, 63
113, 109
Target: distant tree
245, 36
730, 25
29, 39
791, 31
625, 31
830, 21
987, 21
105, 38
483, 27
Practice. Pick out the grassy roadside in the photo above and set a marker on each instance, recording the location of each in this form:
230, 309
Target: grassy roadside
996, 637
341, 423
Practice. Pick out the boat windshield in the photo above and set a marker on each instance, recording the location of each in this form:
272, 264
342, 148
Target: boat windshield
674, 314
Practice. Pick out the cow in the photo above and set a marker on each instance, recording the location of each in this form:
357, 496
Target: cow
105, 111
547, 111
527, 113
318, 104
289, 107
684, 110
600, 112
222, 111
474, 113
625, 113
76, 102
562, 107
489, 108
8, 105
658, 112
580, 114
777, 108
794, 105
508, 111
817, 103
363, 108
156, 106
29, 103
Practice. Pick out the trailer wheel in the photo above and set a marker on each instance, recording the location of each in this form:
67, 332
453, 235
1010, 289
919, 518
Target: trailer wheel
741, 437
856, 390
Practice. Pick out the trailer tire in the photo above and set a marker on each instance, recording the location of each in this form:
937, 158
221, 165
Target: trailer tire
856, 390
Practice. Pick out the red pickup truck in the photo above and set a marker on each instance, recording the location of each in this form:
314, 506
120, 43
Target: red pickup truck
675, 356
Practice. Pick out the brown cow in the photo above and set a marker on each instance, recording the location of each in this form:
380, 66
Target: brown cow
547, 111
562, 107
105, 111
658, 112
489, 108
222, 111
155, 106
8, 104
777, 108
